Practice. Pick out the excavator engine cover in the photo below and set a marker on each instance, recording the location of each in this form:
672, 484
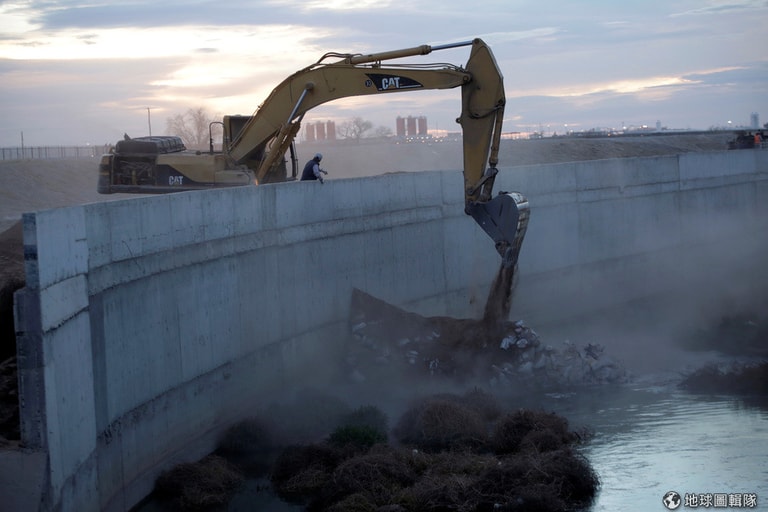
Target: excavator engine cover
149, 146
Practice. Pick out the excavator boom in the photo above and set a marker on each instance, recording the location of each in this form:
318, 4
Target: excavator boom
254, 147
504, 218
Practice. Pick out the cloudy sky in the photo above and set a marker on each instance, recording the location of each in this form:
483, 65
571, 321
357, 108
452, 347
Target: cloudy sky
85, 72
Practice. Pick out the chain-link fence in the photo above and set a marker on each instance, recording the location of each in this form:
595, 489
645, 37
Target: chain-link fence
45, 152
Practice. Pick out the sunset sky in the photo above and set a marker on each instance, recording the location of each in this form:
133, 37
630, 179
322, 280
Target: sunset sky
75, 72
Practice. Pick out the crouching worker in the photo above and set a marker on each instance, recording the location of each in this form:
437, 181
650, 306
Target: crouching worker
312, 170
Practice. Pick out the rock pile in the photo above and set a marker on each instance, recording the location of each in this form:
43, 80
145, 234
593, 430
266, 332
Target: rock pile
386, 339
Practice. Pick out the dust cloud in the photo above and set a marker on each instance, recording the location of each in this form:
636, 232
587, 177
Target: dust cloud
700, 271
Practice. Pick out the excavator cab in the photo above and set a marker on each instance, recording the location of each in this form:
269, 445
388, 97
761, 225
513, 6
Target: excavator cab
233, 125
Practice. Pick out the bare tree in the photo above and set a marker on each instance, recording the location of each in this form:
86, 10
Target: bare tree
193, 128
382, 132
354, 129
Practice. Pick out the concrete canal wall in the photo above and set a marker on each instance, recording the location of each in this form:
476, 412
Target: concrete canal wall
150, 325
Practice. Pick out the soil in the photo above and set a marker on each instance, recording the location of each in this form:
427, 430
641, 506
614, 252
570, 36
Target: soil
34, 185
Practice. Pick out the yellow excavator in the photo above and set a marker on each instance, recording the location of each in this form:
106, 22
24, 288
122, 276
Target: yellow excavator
254, 148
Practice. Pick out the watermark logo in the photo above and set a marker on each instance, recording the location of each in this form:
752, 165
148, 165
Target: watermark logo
672, 500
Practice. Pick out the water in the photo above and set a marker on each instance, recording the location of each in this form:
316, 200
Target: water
647, 440
651, 440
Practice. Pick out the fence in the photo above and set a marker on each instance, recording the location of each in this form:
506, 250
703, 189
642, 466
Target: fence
45, 152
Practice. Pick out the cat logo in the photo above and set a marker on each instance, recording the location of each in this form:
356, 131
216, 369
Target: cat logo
175, 180
391, 82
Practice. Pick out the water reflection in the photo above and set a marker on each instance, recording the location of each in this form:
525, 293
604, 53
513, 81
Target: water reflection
648, 441
645, 442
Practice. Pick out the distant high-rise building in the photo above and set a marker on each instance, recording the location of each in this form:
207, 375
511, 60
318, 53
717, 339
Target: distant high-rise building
411, 126
330, 128
400, 126
754, 120
320, 131
422, 123
310, 132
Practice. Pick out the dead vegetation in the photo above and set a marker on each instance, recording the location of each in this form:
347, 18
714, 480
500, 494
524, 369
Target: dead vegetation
198, 486
450, 452
732, 379
441, 424
459, 452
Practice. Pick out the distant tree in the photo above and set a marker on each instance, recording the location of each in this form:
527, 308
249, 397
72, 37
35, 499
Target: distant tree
193, 128
382, 132
354, 129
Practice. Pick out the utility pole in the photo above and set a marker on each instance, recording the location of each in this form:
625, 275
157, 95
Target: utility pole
149, 122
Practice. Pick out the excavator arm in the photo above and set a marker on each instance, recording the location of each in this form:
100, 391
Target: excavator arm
268, 134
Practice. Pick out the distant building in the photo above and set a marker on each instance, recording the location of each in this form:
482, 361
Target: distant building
320, 130
410, 124
330, 129
422, 126
400, 127
754, 120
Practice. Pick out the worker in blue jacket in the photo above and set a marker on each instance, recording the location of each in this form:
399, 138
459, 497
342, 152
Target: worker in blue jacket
312, 170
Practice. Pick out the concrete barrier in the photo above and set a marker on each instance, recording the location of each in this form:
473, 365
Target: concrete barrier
150, 325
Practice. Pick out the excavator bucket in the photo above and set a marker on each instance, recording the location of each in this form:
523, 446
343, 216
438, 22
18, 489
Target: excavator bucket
505, 219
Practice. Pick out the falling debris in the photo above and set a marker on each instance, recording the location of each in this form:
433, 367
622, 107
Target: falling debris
386, 339
499, 302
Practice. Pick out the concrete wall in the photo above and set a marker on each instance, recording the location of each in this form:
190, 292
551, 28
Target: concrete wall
608, 232
150, 325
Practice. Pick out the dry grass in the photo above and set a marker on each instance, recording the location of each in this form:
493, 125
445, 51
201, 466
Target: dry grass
527, 430
302, 470
199, 486
438, 424
447, 460
249, 446
379, 475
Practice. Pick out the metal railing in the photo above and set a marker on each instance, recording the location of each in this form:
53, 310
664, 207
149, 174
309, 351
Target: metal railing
51, 152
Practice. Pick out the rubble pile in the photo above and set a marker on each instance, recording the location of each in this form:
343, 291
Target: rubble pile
386, 339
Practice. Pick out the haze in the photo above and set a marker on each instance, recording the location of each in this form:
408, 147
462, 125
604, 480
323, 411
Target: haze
77, 73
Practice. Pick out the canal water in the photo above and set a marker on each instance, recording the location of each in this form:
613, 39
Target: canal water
647, 440
650, 440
